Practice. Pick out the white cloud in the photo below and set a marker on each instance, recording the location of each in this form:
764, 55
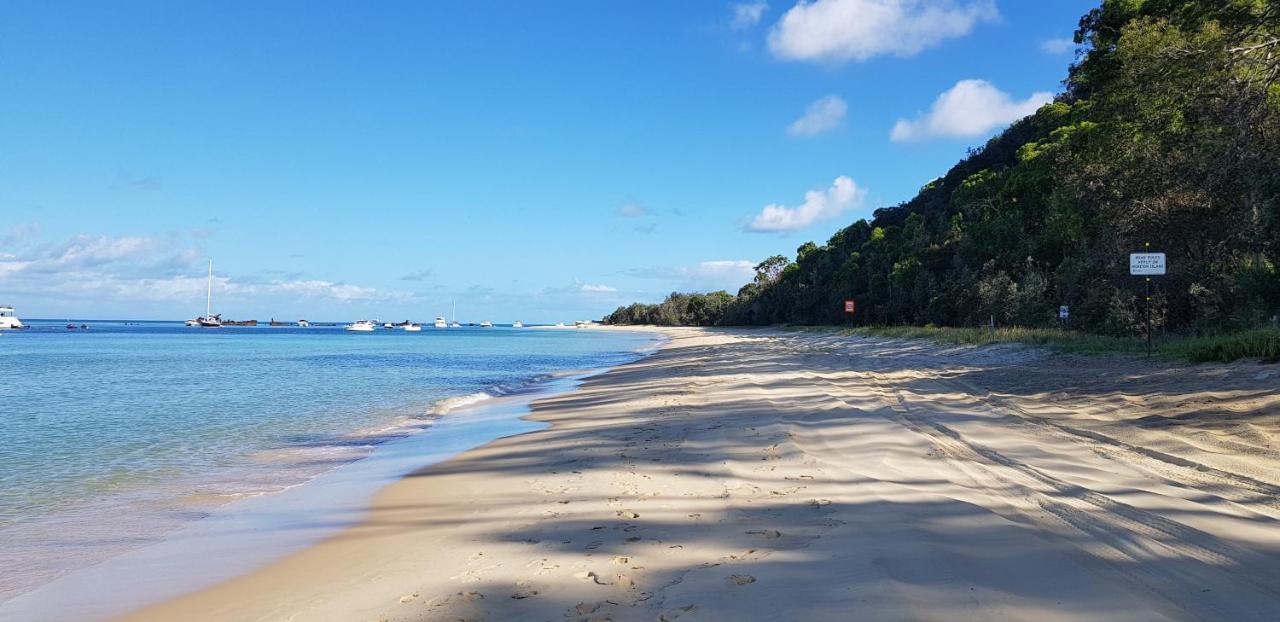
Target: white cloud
726, 274
747, 14
844, 194
1058, 46
590, 288
845, 30
970, 108
823, 115
631, 209
99, 268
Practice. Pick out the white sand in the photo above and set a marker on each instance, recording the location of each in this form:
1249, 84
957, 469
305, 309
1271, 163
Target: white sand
756, 475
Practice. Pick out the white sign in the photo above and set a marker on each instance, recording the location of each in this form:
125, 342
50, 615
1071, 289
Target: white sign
1146, 263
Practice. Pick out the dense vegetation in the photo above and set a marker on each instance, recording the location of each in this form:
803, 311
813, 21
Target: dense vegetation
1166, 133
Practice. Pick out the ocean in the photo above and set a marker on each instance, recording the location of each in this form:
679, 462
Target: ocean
113, 437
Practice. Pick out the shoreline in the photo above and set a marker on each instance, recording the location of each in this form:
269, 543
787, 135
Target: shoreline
295, 515
764, 475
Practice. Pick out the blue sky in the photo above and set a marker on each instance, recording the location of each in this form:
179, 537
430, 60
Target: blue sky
537, 161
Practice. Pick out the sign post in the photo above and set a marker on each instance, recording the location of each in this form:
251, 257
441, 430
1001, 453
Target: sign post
1147, 264
849, 307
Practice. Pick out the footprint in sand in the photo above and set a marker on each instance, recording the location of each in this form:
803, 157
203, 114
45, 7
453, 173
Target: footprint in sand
623, 581
594, 545
408, 598
628, 514
621, 559
741, 579
672, 614
766, 533
583, 609
524, 589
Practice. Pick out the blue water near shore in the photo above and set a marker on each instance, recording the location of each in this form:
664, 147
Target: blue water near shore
114, 436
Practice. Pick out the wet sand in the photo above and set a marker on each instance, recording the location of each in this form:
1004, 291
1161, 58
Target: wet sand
762, 475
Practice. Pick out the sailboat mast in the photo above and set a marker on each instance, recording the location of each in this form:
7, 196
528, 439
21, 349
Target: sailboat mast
208, 299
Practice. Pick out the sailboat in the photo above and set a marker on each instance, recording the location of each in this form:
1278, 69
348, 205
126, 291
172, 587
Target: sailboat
454, 323
208, 320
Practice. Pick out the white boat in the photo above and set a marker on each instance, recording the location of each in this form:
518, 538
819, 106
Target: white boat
413, 328
8, 320
517, 324
559, 324
439, 323
208, 320
304, 323
486, 324
388, 325
362, 326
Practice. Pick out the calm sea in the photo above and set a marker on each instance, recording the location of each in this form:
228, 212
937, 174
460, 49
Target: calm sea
113, 436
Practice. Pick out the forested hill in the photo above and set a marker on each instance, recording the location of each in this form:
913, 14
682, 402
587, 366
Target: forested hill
1167, 133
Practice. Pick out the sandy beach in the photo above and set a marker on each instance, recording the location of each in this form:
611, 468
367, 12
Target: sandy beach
769, 475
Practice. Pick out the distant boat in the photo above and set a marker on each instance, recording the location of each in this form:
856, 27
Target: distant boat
518, 324
208, 320
304, 323
413, 328
388, 325
439, 323
8, 320
362, 326
273, 322
486, 324
455, 324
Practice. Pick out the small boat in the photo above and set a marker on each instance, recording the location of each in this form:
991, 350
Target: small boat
454, 324
486, 324
304, 323
388, 325
362, 326
273, 322
413, 328
439, 323
208, 320
518, 324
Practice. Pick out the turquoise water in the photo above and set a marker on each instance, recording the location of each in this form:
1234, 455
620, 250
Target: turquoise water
112, 436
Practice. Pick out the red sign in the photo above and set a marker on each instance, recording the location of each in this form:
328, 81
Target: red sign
849, 306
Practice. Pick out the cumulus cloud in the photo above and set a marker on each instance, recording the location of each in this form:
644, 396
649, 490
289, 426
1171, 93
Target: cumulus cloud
843, 195
1058, 46
823, 115
970, 108
747, 14
855, 30
149, 268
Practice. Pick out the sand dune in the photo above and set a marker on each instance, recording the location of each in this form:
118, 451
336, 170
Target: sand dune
761, 475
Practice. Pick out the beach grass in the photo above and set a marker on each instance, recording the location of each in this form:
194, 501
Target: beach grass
1262, 343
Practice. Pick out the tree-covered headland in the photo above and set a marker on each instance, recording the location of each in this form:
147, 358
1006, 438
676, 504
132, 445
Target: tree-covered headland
1168, 132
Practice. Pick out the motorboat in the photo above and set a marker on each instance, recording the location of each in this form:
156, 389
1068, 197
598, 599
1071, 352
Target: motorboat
413, 328
388, 325
517, 324
439, 323
304, 323
362, 326
486, 324
454, 324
